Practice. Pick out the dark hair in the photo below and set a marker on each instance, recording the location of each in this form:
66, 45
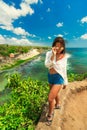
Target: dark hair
61, 41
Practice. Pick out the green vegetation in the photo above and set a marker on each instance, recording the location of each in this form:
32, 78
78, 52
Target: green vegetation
76, 77
5, 50
27, 97
25, 105
16, 63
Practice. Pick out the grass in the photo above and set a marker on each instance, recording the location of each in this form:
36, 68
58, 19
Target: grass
16, 63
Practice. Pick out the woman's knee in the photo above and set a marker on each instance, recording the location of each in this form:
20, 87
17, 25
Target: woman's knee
53, 92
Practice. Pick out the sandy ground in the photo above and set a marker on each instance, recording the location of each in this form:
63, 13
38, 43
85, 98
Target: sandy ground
75, 115
73, 112
28, 55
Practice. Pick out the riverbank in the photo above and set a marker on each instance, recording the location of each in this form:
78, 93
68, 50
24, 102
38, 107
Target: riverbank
73, 112
9, 62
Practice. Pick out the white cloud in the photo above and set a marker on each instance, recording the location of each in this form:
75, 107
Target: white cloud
25, 9
2, 40
49, 38
20, 31
19, 41
60, 24
84, 36
31, 1
15, 41
17, 31
48, 10
8, 28
8, 14
84, 19
41, 1
58, 35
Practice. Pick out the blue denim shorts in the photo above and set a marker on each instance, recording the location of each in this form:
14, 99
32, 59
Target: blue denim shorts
55, 79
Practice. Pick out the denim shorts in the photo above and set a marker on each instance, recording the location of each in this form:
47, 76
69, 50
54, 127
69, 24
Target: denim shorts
55, 79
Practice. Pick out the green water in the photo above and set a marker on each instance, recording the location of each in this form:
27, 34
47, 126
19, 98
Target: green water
36, 69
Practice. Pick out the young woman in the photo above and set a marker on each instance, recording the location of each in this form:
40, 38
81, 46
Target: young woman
56, 62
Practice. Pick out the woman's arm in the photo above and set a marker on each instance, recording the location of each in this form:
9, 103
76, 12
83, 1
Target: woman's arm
49, 60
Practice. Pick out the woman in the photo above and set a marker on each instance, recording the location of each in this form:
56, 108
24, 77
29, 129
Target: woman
56, 62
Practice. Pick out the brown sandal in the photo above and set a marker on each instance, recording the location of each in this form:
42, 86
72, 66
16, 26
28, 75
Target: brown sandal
57, 107
49, 121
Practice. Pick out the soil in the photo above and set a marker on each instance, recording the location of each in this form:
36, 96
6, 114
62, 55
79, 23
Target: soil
75, 115
73, 112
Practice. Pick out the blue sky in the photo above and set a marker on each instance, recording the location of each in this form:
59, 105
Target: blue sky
38, 22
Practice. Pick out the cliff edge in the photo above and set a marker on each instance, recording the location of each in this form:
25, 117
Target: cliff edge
73, 112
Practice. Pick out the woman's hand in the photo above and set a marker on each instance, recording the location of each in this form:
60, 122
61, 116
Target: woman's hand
54, 50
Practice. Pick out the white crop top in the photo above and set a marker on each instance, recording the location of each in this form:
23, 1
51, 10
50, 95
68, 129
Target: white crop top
60, 66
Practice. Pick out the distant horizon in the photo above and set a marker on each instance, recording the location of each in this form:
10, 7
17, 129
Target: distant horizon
38, 22
39, 46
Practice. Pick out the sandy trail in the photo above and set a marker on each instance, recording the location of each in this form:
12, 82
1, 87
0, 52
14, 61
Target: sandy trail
28, 55
75, 115
73, 112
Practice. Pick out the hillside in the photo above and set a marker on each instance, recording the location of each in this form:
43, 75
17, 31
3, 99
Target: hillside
11, 56
73, 112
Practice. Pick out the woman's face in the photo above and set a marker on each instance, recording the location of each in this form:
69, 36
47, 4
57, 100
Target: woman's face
59, 48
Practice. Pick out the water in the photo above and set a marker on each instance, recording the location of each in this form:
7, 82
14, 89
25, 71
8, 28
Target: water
78, 60
34, 69
77, 63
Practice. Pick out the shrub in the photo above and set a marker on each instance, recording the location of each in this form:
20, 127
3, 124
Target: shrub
26, 103
76, 77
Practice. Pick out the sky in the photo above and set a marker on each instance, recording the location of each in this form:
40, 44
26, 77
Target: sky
38, 22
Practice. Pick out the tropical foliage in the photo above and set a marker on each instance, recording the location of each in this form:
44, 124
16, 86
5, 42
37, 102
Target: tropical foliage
25, 105
23, 109
5, 50
76, 77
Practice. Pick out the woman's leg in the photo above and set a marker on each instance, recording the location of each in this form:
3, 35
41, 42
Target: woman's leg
57, 99
52, 95
57, 102
50, 85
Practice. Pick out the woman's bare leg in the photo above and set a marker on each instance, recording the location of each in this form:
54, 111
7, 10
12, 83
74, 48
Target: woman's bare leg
57, 99
52, 95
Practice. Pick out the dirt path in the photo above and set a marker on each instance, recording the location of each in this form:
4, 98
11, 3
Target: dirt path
73, 112
75, 115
